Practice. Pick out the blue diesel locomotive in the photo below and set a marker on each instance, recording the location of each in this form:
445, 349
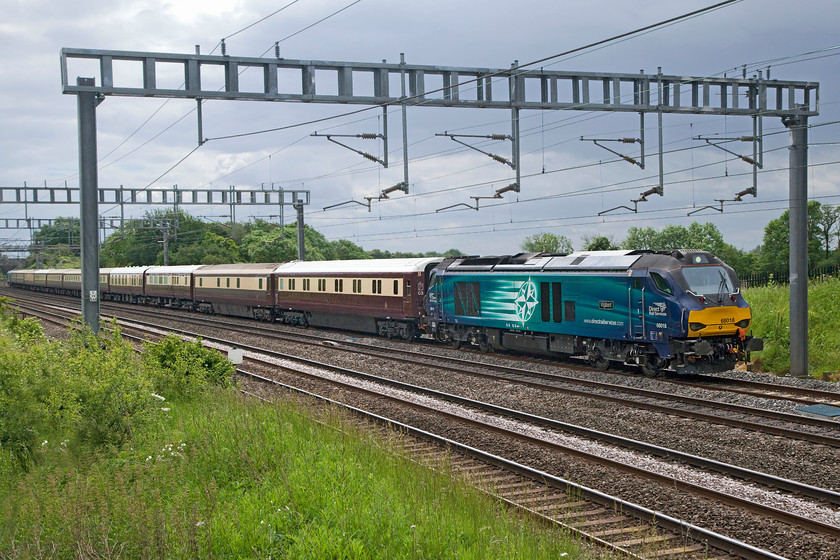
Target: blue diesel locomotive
667, 309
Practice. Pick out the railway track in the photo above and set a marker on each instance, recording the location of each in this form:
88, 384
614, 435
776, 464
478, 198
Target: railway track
600, 525
815, 430
707, 382
722, 384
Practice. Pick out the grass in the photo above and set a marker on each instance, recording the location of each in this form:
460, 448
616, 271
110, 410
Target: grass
771, 321
211, 474
225, 477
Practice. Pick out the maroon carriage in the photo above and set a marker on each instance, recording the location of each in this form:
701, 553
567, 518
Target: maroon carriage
382, 296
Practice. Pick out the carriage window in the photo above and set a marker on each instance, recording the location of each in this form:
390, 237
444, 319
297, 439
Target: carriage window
201, 281
336, 285
260, 286
396, 287
218, 282
237, 282
227, 282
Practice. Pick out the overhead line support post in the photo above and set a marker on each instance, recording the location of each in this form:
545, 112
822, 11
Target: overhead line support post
517, 94
403, 99
661, 90
298, 205
198, 108
89, 204
798, 180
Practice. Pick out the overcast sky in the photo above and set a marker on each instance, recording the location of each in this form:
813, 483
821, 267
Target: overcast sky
38, 125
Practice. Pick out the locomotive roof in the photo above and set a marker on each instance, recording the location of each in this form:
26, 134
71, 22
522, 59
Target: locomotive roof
360, 265
580, 260
619, 260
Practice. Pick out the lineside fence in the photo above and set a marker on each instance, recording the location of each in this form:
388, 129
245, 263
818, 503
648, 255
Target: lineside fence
783, 277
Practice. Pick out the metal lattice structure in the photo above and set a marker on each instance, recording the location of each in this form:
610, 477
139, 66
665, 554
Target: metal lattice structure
295, 80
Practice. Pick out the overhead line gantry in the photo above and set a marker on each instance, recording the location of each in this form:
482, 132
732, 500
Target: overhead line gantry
514, 89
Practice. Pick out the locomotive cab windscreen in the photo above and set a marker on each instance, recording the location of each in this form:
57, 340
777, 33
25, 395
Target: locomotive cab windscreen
714, 282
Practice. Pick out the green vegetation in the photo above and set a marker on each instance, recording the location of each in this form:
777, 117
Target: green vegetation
771, 321
192, 241
92, 465
547, 243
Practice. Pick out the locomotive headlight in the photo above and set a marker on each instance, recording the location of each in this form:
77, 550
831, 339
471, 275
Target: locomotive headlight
696, 326
744, 323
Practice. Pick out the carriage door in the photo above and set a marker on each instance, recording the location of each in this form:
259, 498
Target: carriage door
636, 304
434, 298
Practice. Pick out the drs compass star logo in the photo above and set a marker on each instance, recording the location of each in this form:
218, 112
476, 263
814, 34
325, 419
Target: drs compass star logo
526, 300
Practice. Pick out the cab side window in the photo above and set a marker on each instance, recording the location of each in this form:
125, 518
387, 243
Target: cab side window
661, 284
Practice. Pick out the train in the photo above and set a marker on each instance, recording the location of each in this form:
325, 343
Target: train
680, 311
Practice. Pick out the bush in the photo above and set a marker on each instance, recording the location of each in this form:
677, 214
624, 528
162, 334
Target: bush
182, 369
89, 390
24, 330
113, 393
22, 417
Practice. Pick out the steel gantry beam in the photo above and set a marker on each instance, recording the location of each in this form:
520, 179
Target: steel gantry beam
515, 88
370, 84
30, 194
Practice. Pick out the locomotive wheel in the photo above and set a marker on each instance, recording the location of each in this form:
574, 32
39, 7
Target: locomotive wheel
456, 344
409, 333
598, 361
654, 367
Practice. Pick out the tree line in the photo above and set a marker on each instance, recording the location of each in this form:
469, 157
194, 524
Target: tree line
771, 257
193, 241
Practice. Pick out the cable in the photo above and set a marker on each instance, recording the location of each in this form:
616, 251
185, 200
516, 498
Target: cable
162, 174
499, 73
274, 13
593, 190
103, 158
319, 21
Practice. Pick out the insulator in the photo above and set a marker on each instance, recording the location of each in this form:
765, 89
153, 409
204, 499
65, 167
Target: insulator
224, 48
627, 140
747, 138
498, 137
749, 160
368, 135
500, 159
630, 160
370, 157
